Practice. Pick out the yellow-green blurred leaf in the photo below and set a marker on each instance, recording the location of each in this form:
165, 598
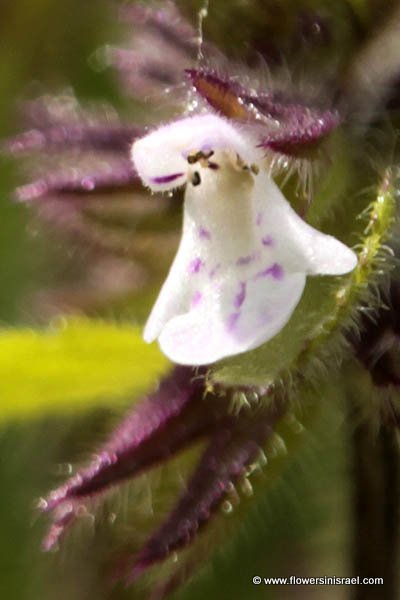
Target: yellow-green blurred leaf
74, 365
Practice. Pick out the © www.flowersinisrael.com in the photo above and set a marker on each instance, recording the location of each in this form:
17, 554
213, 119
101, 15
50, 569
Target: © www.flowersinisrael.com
237, 289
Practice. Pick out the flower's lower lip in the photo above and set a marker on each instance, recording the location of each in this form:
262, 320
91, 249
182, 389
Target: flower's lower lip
166, 178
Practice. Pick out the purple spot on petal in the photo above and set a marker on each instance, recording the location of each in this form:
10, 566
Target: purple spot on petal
214, 270
196, 265
259, 219
275, 271
166, 178
232, 320
267, 241
197, 298
204, 234
241, 295
245, 260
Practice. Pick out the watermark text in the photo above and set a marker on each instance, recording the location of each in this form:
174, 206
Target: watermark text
294, 580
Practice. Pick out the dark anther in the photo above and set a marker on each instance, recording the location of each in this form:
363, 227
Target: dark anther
192, 158
196, 179
196, 156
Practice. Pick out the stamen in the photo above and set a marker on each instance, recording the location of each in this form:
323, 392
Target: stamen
195, 157
241, 165
192, 158
240, 162
255, 169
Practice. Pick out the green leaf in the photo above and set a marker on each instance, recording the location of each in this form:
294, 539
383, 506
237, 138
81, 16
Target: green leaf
74, 365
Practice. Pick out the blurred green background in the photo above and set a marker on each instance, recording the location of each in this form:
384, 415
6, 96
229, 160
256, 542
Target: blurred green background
301, 527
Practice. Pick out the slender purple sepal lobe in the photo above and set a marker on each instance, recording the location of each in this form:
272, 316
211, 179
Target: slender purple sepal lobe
118, 173
281, 125
117, 459
99, 137
231, 450
176, 415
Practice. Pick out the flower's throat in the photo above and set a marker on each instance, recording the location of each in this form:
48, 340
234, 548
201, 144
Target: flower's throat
202, 158
218, 201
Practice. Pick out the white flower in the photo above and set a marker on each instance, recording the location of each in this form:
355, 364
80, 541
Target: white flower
241, 266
